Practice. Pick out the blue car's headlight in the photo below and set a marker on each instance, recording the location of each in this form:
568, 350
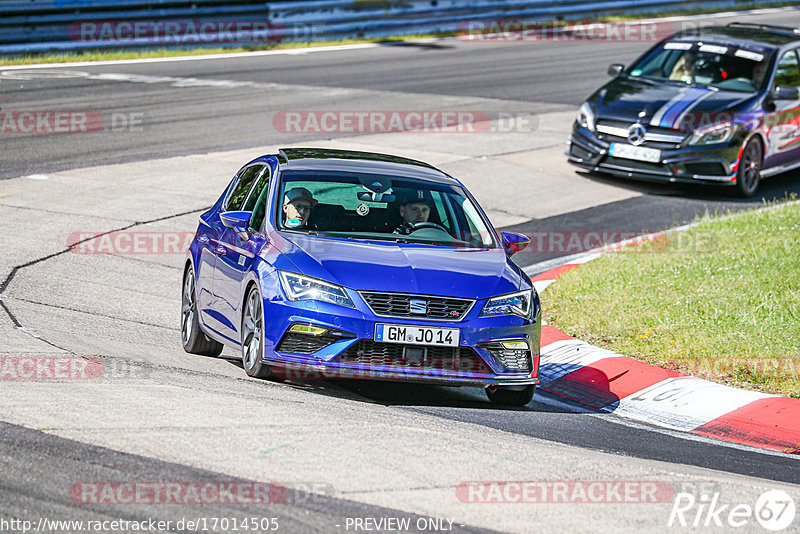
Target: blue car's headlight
512, 304
299, 287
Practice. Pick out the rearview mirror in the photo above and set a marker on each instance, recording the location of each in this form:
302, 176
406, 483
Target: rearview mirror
615, 69
375, 197
237, 220
514, 242
786, 93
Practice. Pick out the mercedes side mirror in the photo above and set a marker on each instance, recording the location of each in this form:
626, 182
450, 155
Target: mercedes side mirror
615, 69
783, 92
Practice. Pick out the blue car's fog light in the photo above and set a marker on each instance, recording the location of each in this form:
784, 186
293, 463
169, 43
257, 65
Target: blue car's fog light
299, 287
301, 328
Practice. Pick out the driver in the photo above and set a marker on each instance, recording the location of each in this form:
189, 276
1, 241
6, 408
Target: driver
415, 208
684, 69
297, 204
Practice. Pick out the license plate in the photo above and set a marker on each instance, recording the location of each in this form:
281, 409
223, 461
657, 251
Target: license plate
641, 153
416, 335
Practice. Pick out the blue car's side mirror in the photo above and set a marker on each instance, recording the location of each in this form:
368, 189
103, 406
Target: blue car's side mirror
237, 220
514, 242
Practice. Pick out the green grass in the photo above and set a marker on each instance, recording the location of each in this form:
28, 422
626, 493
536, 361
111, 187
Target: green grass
720, 301
108, 55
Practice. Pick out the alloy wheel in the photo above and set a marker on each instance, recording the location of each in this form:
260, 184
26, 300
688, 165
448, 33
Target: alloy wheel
252, 329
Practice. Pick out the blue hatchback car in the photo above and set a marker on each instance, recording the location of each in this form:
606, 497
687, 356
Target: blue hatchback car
340, 264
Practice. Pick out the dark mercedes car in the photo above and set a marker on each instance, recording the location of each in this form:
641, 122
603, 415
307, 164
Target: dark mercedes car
715, 105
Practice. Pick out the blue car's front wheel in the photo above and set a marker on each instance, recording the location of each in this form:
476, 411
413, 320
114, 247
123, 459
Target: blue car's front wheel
253, 336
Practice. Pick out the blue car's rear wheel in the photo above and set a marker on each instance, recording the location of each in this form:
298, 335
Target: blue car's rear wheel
253, 336
193, 339
510, 395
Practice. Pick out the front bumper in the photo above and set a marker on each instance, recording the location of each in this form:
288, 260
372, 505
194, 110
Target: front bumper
709, 164
350, 351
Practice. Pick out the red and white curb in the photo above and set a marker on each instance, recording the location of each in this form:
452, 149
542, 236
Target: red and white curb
606, 381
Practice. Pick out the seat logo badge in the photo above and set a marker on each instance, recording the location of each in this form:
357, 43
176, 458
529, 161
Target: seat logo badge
418, 307
636, 134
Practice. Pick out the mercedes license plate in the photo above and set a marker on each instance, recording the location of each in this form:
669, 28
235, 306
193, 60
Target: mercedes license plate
640, 153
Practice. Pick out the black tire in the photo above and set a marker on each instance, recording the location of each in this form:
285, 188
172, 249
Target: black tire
749, 174
253, 336
506, 396
193, 339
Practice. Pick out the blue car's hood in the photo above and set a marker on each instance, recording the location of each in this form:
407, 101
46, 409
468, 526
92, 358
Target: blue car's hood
631, 99
405, 268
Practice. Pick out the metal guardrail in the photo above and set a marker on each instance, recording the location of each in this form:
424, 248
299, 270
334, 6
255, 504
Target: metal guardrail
30, 26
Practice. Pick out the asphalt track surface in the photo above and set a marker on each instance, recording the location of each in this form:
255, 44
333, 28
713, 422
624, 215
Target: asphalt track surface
539, 79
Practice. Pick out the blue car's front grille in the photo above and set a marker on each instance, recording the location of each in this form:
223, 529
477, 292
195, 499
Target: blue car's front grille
368, 352
425, 306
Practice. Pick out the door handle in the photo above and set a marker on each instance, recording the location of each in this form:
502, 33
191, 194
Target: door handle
220, 250
203, 239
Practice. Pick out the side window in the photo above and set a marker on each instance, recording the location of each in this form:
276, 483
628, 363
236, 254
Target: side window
255, 193
239, 193
439, 209
787, 74
257, 201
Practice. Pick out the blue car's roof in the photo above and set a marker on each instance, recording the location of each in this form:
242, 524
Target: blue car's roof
319, 159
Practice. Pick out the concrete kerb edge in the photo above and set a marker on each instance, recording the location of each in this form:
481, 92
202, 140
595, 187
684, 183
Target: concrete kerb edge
605, 381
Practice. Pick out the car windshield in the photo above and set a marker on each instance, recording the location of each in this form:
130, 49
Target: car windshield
696, 63
380, 207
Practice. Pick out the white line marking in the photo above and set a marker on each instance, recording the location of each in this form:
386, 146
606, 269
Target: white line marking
542, 397
541, 285
565, 356
685, 403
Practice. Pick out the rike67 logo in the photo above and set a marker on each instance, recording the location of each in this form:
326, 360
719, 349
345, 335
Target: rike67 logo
774, 510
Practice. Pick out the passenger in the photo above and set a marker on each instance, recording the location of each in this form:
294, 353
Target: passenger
415, 208
297, 204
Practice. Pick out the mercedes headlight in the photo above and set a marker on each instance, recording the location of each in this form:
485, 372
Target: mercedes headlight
299, 287
586, 116
512, 304
718, 133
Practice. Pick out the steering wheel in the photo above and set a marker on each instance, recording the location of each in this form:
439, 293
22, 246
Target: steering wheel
428, 224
